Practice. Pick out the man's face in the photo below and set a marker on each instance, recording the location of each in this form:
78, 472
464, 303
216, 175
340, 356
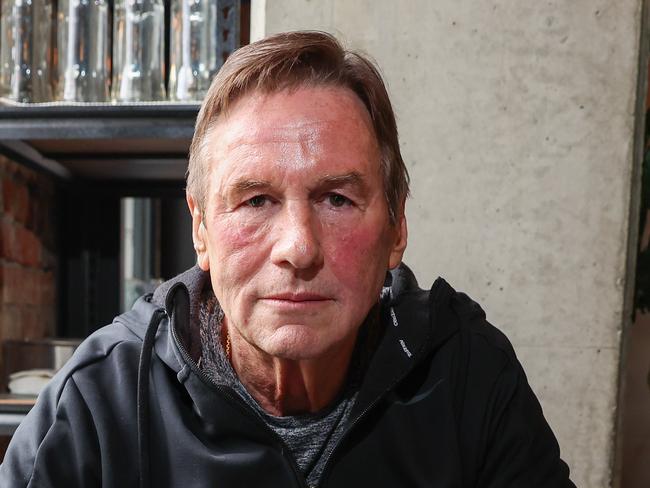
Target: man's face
295, 231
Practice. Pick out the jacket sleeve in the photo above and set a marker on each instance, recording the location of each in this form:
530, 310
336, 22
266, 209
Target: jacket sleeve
55, 445
521, 448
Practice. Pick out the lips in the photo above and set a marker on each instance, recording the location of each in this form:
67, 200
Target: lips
291, 302
297, 297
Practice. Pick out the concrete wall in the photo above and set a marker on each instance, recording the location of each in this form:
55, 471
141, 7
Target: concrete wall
516, 122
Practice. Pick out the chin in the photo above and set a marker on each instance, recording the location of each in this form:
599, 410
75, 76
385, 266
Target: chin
299, 345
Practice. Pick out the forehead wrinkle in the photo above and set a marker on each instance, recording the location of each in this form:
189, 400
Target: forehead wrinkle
243, 116
305, 133
298, 148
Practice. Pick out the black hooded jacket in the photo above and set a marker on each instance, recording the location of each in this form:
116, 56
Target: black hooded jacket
444, 403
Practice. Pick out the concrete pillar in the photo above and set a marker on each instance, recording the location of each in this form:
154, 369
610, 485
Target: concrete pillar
517, 123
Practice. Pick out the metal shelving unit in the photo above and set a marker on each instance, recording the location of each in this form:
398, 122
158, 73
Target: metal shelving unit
111, 142
114, 142
127, 143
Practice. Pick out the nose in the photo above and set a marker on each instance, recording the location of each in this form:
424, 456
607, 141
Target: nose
297, 241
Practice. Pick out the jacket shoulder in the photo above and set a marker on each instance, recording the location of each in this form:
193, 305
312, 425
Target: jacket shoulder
486, 340
63, 418
127, 329
504, 436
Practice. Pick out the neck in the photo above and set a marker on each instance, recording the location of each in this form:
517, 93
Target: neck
284, 386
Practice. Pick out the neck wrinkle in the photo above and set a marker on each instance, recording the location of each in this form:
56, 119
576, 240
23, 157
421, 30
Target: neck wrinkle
286, 387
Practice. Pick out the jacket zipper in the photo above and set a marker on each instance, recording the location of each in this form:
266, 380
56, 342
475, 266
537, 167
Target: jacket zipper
351, 426
235, 399
328, 465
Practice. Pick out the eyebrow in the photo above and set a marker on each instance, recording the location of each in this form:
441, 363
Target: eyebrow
348, 179
353, 179
245, 185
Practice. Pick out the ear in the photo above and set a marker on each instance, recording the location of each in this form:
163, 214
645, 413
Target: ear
399, 244
199, 234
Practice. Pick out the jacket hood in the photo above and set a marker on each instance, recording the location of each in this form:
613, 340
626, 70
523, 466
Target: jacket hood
181, 296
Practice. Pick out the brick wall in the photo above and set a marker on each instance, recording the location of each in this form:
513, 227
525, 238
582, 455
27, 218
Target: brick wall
27, 254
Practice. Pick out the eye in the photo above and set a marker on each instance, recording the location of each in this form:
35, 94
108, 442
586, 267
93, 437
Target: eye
337, 200
257, 201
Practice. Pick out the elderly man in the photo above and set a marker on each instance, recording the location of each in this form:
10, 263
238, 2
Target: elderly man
300, 351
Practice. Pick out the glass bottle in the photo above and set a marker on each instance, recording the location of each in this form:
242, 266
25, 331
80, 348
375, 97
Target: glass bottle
138, 50
193, 49
26, 50
83, 50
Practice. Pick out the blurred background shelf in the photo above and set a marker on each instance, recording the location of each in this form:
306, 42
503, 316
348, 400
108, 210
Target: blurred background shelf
122, 145
100, 142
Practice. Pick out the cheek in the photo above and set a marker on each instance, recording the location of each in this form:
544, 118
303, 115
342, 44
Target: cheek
358, 255
233, 233
236, 246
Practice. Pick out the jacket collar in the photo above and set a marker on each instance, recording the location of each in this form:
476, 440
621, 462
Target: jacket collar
181, 298
415, 322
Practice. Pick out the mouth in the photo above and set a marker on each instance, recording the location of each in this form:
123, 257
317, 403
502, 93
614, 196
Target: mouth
296, 300
297, 297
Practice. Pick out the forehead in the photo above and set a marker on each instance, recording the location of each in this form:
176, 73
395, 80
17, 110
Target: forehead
303, 125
